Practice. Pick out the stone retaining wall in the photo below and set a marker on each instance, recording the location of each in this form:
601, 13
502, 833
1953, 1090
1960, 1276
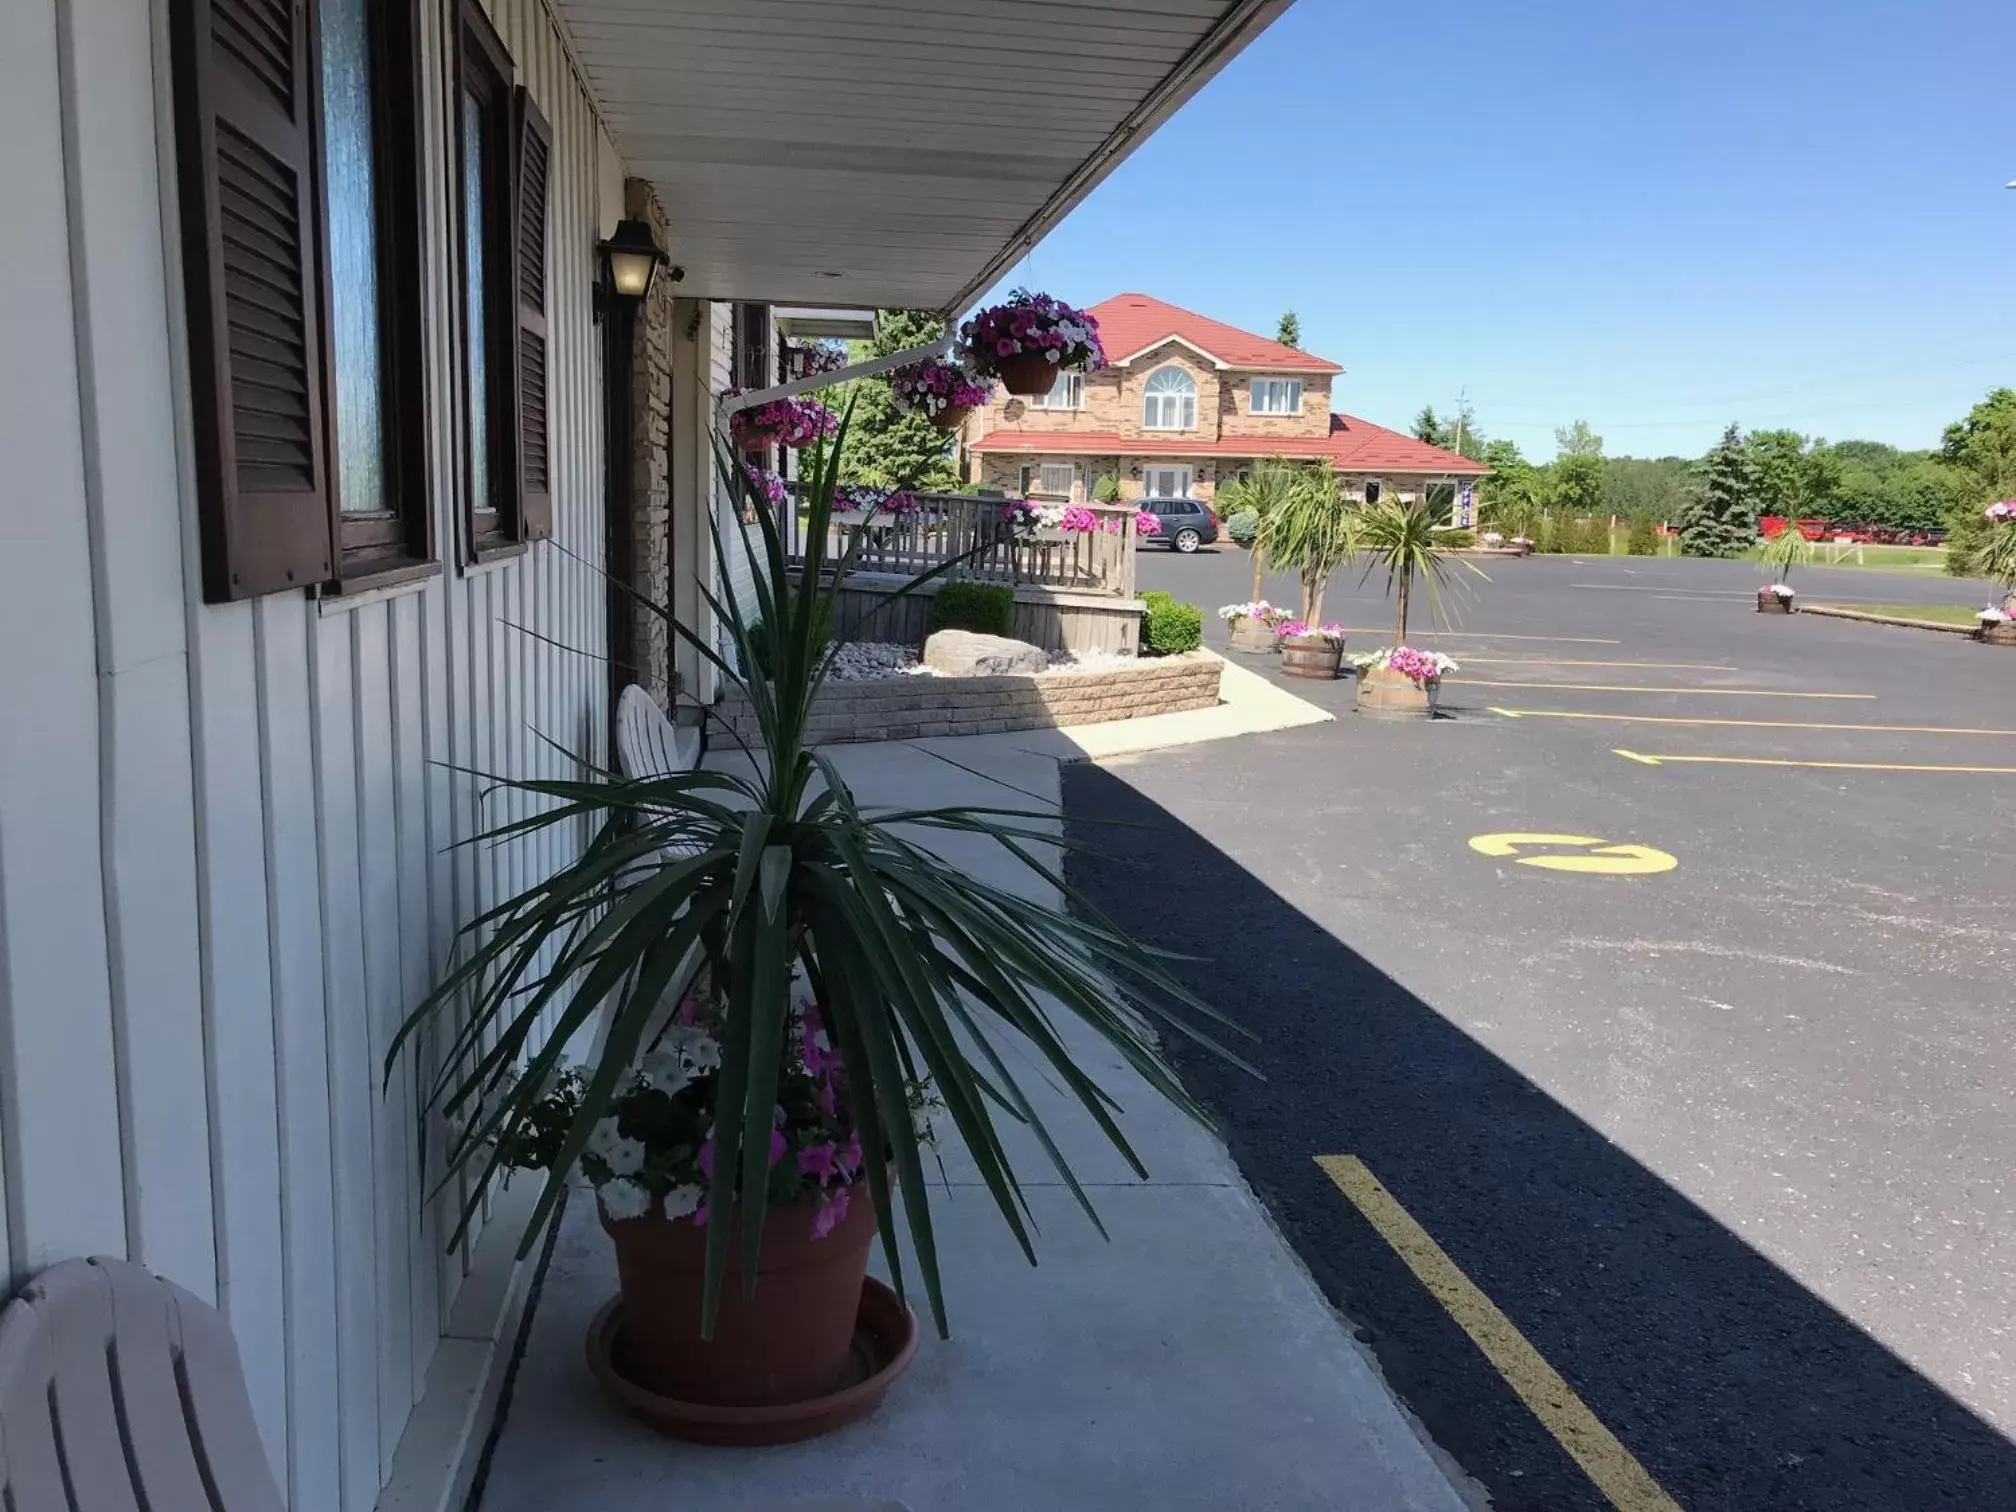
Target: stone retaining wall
910, 707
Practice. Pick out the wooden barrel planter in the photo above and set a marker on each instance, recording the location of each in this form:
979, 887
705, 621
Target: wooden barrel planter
1315, 656
1253, 637
1996, 632
1771, 603
1388, 695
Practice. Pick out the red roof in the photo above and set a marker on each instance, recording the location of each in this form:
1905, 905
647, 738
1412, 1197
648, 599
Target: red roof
1130, 324
1353, 445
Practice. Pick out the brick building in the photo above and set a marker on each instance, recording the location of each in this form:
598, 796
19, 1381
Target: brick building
1184, 402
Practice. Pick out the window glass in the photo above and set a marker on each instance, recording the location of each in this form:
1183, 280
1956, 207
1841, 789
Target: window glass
1169, 400
1277, 396
348, 159
475, 128
1055, 477
1068, 392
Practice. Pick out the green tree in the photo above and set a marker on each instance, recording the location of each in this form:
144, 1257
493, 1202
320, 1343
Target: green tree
1723, 520
1429, 428
1289, 331
1515, 493
885, 446
1980, 451
1577, 440
1654, 488
1272, 486
1781, 474
1576, 480
1310, 529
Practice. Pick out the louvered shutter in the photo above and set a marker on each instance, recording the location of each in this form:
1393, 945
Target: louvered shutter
245, 102
535, 156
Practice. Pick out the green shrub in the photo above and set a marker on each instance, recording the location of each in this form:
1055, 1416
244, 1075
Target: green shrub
1106, 490
1592, 537
984, 608
1547, 538
1244, 527
1455, 540
1170, 627
1643, 539
759, 635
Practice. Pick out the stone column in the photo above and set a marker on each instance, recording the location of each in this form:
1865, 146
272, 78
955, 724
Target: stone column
650, 461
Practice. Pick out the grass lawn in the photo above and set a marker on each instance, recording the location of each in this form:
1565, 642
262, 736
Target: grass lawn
1928, 559
1945, 614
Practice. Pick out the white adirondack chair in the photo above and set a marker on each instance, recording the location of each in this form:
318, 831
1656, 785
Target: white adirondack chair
121, 1392
647, 743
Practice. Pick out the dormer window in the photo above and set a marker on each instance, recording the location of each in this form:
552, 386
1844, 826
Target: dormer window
1277, 396
1169, 400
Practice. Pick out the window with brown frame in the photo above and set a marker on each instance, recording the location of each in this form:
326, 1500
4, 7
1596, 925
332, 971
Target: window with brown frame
299, 185
503, 157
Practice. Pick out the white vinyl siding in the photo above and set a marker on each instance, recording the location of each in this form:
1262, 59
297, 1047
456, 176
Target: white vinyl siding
1277, 396
1169, 400
229, 868
1067, 393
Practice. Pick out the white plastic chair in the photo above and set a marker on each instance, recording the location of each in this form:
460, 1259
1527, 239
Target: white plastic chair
121, 1392
647, 743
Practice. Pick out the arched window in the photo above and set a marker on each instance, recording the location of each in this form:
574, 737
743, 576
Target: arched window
1169, 400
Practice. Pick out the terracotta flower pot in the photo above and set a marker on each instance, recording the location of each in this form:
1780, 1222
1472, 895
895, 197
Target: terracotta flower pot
1027, 373
952, 416
1313, 656
1253, 637
788, 1342
1771, 603
1384, 694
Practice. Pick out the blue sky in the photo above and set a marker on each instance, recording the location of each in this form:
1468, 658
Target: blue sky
1655, 218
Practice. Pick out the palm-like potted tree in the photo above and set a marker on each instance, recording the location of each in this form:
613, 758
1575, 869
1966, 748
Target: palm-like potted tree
773, 977
1399, 537
1309, 527
1779, 555
1994, 557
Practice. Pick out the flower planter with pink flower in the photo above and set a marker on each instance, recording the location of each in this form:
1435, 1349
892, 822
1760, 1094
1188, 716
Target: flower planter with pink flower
1028, 341
650, 1162
942, 392
1399, 682
1312, 651
795, 422
1775, 598
1252, 626
1995, 557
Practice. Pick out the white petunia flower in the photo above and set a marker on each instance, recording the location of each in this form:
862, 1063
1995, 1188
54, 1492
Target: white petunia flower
666, 1072
681, 1201
625, 1199
696, 1047
624, 1157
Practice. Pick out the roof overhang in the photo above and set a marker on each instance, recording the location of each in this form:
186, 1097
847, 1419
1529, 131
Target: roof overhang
885, 153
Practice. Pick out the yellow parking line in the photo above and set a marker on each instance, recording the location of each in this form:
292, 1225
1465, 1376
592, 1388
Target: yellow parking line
1614, 1470
1557, 661
1750, 724
1485, 682
1838, 766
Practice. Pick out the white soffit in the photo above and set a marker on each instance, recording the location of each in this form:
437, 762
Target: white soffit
899, 153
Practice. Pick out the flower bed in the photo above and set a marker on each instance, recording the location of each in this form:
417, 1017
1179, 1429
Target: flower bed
908, 705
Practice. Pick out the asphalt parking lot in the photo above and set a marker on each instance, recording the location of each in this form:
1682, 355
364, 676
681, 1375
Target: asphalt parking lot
1721, 1133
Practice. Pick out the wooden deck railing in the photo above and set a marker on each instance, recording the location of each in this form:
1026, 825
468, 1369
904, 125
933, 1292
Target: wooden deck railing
973, 530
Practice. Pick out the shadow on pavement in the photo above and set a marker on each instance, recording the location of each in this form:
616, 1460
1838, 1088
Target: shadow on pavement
1731, 1383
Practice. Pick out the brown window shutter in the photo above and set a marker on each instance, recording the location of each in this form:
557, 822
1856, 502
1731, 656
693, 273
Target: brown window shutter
245, 104
535, 157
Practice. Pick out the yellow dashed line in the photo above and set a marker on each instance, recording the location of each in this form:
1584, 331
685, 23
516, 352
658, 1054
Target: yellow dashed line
1481, 682
1607, 1463
1750, 724
1837, 766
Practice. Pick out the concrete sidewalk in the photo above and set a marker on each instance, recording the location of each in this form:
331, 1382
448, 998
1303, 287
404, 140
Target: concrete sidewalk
1190, 1363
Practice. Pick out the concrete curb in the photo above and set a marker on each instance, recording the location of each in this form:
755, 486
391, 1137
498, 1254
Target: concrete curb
1830, 611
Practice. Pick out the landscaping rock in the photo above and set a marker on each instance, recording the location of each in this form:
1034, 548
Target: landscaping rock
963, 653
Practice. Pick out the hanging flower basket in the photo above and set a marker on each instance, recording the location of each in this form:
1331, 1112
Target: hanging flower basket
1028, 341
943, 392
782, 422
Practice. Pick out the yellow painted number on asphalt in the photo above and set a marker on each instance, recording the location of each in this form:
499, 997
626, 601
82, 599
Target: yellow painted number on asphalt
1588, 854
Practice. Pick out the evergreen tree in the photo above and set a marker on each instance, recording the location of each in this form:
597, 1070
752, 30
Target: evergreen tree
1289, 331
1722, 520
1428, 427
885, 446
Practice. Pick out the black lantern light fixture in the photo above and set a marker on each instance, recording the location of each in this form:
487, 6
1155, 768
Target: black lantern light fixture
630, 261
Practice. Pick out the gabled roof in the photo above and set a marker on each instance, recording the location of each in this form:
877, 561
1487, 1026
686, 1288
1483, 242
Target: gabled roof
1353, 445
1130, 324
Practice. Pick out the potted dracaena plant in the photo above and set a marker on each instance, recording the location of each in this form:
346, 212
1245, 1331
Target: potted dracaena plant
1994, 557
771, 973
1778, 556
1398, 536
